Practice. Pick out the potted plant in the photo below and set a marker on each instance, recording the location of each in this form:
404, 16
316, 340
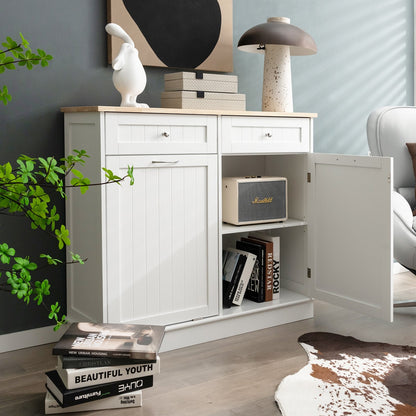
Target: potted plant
28, 189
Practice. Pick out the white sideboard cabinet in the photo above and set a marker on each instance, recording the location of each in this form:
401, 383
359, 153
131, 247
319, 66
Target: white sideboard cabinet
154, 248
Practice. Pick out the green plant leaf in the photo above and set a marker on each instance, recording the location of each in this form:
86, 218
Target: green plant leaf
54, 311
60, 322
80, 181
53, 218
77, 258
130, 175
111, 177
62, 236
25, 43
25, 171
50, 259
6, 253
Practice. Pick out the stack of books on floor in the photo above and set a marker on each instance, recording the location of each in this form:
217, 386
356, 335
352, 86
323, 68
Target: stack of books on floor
103, 366
251, 270
202, 91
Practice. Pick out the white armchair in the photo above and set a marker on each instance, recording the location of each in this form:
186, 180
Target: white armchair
388, 131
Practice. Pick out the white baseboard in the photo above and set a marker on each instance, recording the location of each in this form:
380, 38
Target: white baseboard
29, 338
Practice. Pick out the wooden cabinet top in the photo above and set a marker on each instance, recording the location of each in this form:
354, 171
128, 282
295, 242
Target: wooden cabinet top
114, 109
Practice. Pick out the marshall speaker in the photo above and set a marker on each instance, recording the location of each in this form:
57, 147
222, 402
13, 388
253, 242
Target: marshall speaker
253, 200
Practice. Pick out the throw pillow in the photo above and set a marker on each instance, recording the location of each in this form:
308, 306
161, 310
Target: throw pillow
411, 147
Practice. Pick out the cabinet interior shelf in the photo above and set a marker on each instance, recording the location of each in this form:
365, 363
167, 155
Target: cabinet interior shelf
235, 229
287, 297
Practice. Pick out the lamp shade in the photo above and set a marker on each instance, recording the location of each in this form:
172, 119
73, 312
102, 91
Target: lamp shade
277, 31
277, 40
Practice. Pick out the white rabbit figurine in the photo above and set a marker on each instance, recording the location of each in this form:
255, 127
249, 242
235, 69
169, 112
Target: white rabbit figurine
129, 76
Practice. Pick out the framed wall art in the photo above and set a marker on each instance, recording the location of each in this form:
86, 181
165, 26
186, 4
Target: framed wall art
183, 34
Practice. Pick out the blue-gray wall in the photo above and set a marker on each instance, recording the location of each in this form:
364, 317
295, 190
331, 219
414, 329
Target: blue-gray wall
364, 61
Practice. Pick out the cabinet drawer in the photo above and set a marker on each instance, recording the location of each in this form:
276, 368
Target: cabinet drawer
160, 133
266, 134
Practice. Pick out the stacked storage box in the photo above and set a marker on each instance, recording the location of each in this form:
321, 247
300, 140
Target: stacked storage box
202, 91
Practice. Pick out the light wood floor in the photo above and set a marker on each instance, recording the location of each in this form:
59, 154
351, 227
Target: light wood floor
236, 376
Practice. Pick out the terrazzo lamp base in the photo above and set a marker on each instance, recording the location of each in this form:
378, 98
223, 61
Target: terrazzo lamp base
277, 79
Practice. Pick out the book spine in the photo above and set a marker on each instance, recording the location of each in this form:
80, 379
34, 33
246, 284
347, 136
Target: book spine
276, 260
276, 268
239, 293
104, 353
232, 286
85, 362
268, 290
253, 287
133, 399
262, 276
244, 279
268, 266
260, 289
73, 379
101, 391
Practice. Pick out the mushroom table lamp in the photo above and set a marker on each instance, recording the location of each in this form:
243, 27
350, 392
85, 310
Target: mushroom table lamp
277, 39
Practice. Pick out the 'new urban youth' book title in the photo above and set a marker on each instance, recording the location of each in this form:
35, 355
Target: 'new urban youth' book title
111, 340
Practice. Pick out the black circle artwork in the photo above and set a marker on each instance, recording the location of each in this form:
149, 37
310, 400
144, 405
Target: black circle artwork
182, 33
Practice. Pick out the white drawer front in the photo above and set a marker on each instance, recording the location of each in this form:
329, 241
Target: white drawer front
265, 134
160, 134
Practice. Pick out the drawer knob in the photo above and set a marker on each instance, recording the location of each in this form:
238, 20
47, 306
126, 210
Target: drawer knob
268, 134
165, 134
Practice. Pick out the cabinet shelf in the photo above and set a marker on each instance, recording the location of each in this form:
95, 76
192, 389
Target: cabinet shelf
287, 297
235, 229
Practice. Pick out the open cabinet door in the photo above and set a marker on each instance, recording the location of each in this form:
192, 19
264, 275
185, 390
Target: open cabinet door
350, 232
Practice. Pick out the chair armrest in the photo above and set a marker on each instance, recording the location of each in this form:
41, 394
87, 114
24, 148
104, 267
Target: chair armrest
404, 234
402, 210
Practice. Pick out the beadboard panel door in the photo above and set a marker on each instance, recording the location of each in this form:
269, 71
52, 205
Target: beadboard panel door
162, 238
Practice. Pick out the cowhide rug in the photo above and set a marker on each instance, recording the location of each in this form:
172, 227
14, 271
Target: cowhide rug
346, 376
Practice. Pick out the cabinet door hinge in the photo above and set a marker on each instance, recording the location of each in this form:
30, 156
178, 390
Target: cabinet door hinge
308, 177
309, 273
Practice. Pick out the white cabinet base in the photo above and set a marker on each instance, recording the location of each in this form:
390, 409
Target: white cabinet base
250, 317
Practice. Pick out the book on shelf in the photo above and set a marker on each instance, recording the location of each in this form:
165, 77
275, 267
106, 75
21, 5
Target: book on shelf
276, 259
133, 399
241, 286
67, 361
268, 267
132, 341
83, 377
255, 287
233, 265
70, 397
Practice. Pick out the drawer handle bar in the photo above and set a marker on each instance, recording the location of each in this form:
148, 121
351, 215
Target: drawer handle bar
268, 135
165, 134
165, 161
